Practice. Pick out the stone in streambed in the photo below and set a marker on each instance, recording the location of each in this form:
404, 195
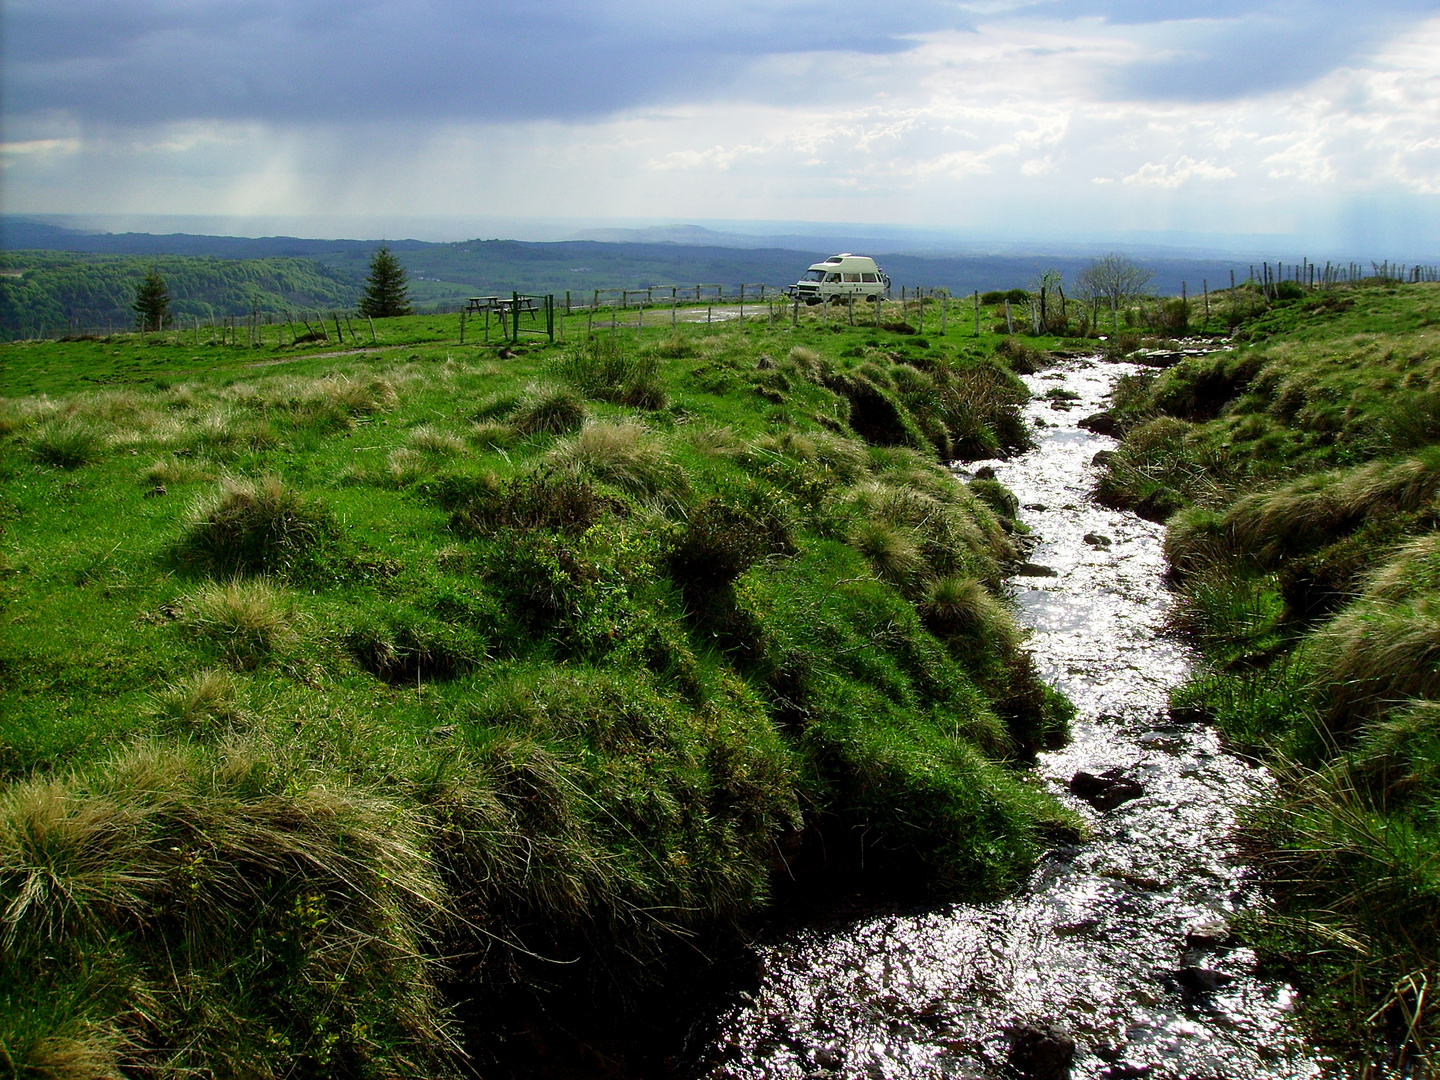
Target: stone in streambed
1097, 540
1202, 979
1207, 935
1106, 791
1041, 1051
1102, 423
1031, 569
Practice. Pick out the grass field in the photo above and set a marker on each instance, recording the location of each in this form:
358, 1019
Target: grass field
340, 687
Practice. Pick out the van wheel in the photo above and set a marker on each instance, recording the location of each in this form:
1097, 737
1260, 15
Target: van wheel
811, 302
871, 299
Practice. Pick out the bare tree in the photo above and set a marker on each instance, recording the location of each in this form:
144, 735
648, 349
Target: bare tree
1115, 278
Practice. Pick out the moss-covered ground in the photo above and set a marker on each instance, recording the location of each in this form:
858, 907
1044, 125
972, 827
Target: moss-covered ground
1303, 474
338, 688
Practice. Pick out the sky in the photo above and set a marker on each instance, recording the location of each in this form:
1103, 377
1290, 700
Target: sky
1262, 125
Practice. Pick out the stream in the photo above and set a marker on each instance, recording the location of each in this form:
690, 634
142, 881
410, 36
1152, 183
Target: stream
1120, 940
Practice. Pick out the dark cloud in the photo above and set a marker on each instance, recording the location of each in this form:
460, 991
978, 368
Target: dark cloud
126, 61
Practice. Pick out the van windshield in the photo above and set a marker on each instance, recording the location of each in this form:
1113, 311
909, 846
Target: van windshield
814, 275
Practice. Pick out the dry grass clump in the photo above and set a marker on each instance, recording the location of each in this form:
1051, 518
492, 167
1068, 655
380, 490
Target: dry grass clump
225, 432
547, 409
246, 621
1272, 525
1412, 570
713, 440
493, 435
358, 398
255, 526
206, 703
252, 919
430, 440
173, 470
624, 453
807, 361
406, 465
1376, 654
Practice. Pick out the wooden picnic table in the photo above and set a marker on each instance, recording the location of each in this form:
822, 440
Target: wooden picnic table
505, 307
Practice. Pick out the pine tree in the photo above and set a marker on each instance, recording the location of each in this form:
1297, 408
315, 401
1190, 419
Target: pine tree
152, 302
386, 293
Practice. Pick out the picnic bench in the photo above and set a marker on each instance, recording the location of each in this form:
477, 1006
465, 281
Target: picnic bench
509, 309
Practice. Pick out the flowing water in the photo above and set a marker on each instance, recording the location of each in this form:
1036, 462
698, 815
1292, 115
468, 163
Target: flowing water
1096, 940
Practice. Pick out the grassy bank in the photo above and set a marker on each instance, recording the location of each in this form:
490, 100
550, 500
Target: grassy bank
1300, 474
339, 689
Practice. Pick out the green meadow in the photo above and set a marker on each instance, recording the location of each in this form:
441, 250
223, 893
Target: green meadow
355, 699
1300, 474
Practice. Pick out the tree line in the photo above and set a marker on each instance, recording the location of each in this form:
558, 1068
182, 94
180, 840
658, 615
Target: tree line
49, 289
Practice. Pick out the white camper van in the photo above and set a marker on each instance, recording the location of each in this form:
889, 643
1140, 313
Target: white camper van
842, 276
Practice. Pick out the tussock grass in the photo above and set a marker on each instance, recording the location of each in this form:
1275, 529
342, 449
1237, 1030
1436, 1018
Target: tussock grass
406, 647
255, 526
205, 704
177, 872
603, 369
67, 444
246, 621
173, 470
431, 441
492, 435
625, 454
546, 409
893, 551
956, 607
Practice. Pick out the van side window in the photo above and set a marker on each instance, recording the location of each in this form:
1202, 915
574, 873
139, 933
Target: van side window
852, 277
832, 277
869, 277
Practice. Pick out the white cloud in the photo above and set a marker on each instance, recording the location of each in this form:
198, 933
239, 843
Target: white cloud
1183, 169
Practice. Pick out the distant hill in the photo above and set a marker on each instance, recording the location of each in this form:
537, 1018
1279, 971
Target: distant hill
72, 277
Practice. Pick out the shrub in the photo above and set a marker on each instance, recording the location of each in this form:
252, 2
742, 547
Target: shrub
66, 444
256, 526
726, 534
545, 409
246, 621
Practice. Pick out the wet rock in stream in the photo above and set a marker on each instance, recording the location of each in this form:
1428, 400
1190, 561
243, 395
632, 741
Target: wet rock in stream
1106, 791
1041, 1052
1202, 979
